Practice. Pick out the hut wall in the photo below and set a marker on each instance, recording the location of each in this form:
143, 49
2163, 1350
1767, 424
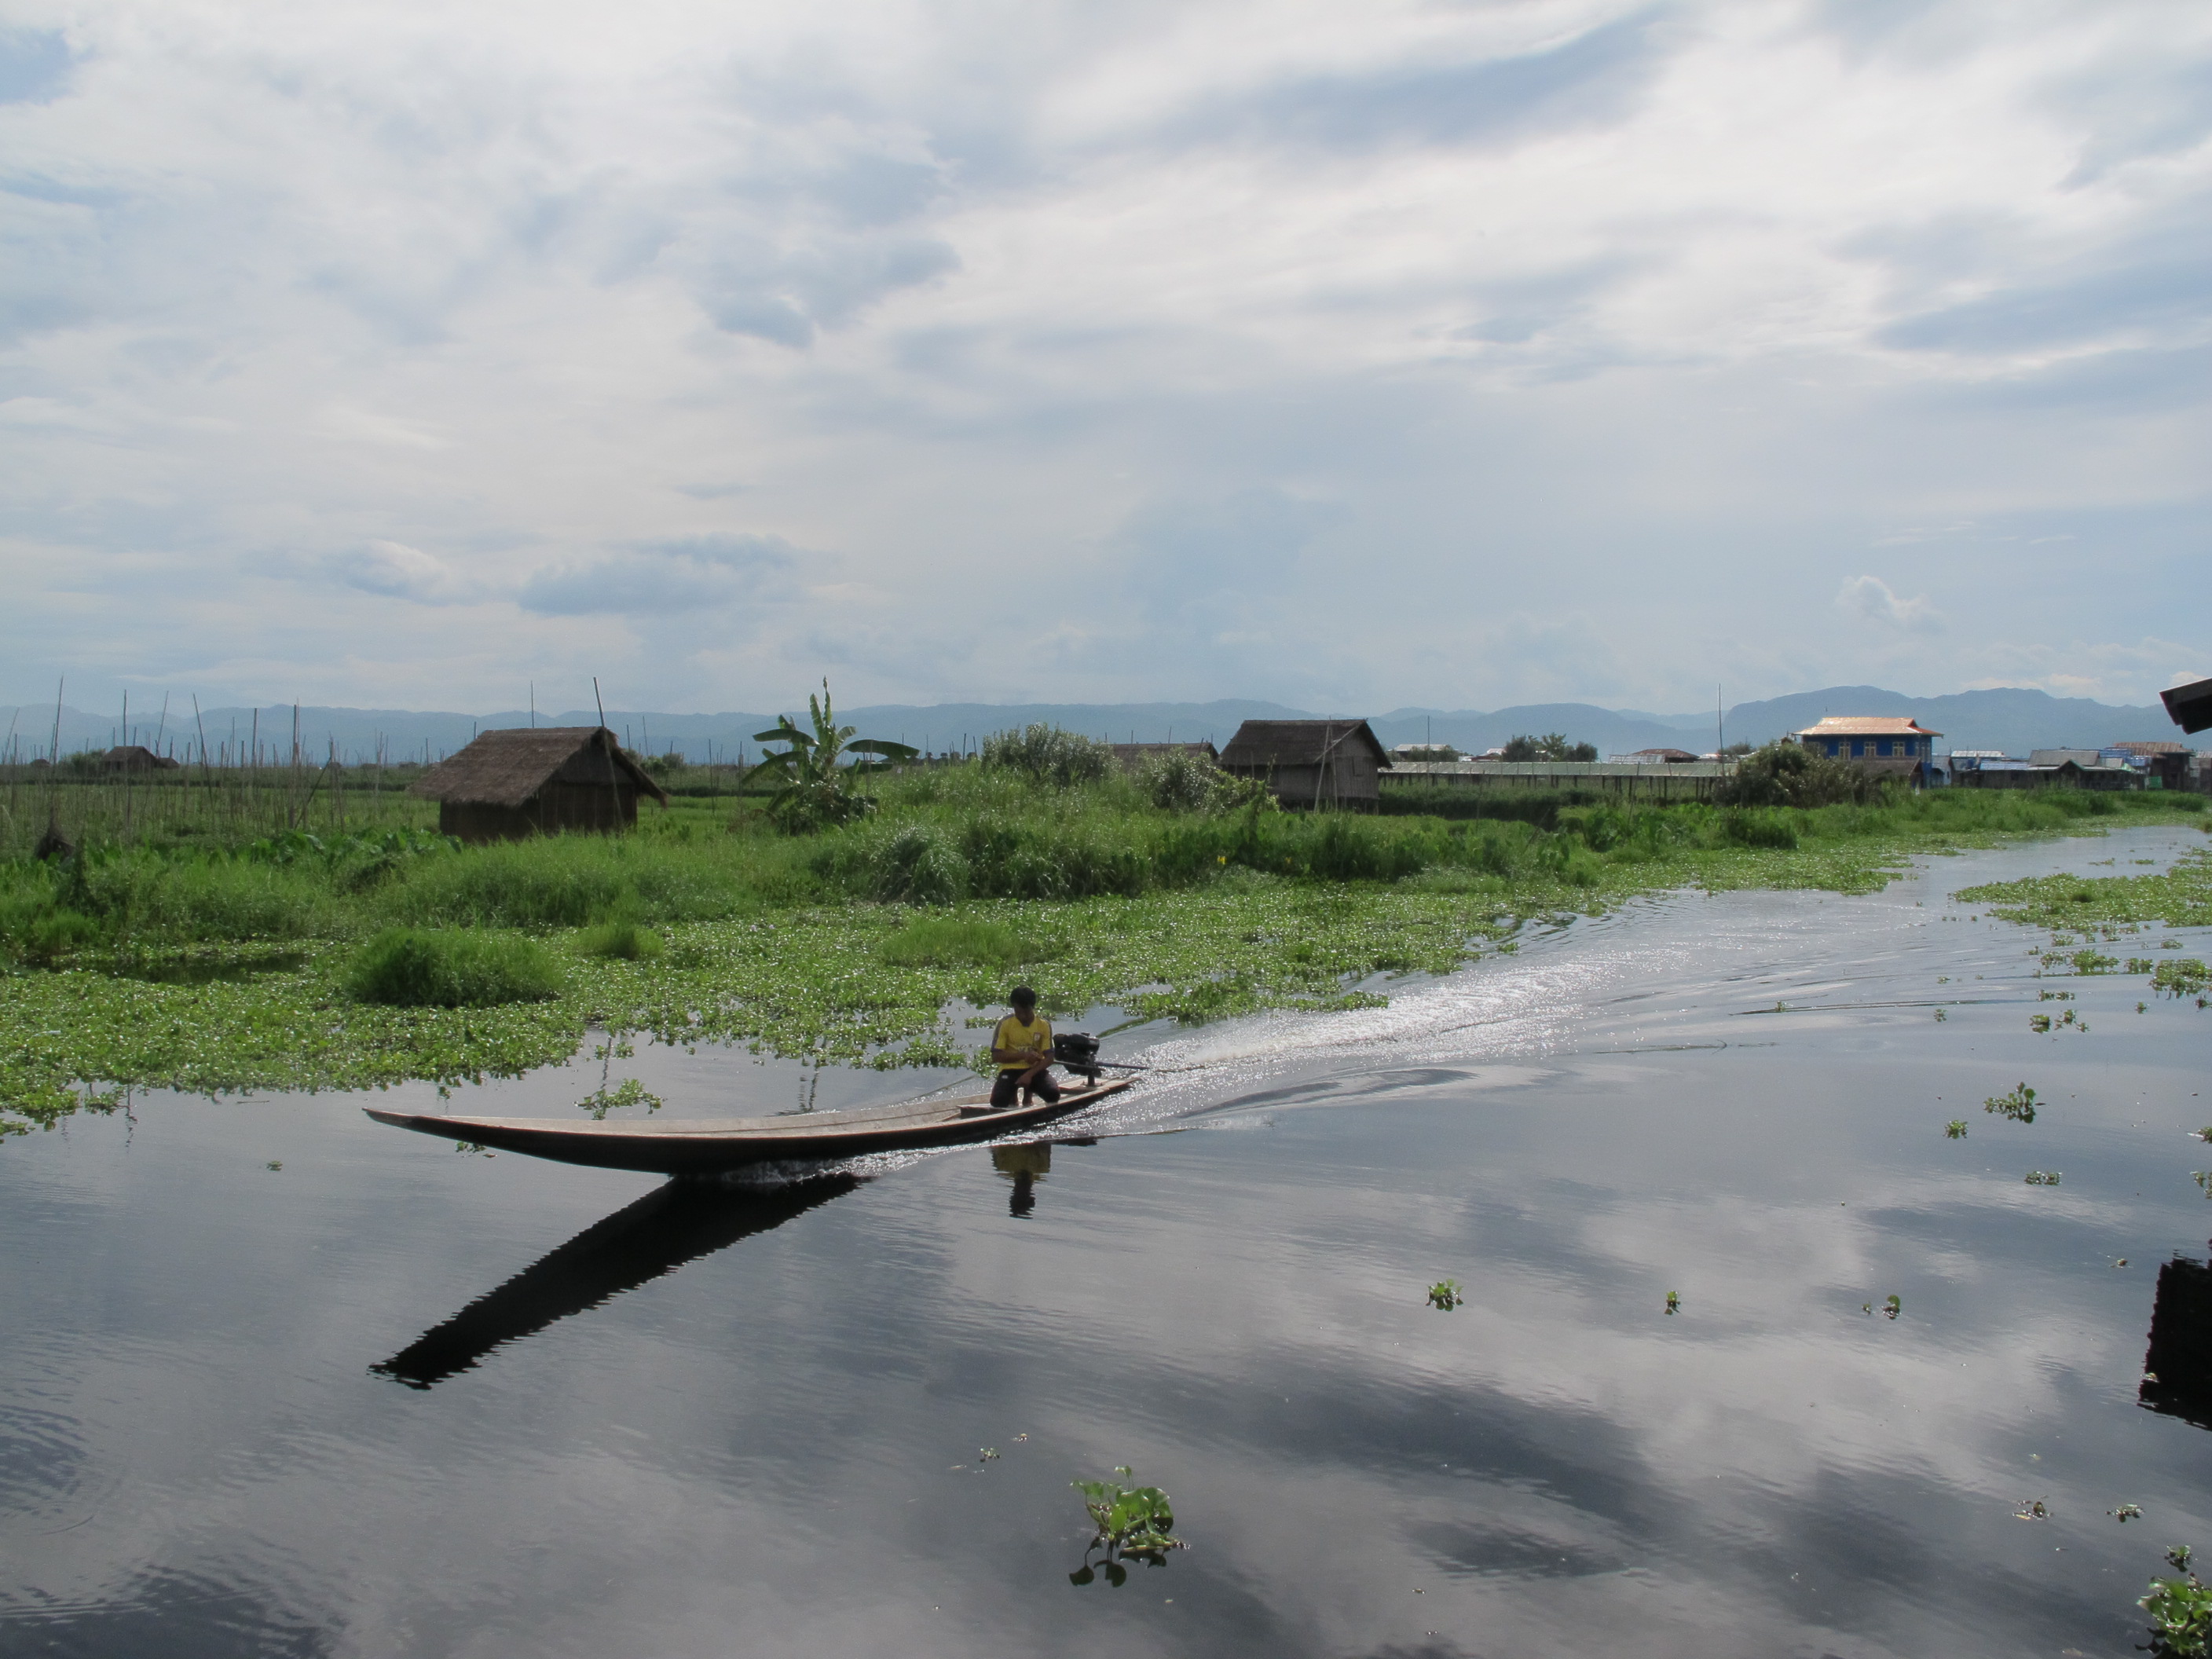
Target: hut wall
563, 804
477, 822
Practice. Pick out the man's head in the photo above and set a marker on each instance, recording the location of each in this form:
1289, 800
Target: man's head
1024, 1001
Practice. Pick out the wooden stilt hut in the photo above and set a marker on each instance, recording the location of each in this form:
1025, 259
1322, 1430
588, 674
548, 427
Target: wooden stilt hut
1311, 763
510, 784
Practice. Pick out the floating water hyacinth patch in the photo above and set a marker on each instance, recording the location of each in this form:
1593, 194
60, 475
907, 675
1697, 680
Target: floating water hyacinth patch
2032, 1509
1674, 1302
1956, 1128
1446, 1294
2019, 1105
2042, 1177
2038, 1023
2180, 1611
2126, 1512
1131, 1522
1893, 1306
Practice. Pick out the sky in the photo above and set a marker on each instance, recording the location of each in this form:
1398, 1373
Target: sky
1351, 356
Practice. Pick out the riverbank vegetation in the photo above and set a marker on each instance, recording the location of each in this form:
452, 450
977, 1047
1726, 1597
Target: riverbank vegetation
216, 953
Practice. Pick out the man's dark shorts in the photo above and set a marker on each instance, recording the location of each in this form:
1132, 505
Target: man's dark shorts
1003, 1091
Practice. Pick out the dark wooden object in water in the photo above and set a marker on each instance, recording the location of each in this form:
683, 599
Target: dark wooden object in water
700, 1146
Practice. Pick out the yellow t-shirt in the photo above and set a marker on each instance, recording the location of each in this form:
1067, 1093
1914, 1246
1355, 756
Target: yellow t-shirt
1034, 1039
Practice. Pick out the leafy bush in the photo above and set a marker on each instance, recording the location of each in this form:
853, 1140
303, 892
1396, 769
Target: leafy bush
433, 968
1049, 755
1791, 774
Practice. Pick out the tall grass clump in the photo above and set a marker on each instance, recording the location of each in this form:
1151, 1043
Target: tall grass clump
433, 968
957, 942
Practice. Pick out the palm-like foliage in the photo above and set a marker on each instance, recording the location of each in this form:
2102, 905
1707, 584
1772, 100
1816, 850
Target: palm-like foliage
811, 775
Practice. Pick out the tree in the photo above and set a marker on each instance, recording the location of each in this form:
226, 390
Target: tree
811, 775
1552, 746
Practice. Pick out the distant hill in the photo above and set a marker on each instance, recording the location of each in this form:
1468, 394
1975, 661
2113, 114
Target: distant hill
2011, 720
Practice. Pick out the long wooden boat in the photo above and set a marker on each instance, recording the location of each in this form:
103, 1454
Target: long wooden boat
693, 1146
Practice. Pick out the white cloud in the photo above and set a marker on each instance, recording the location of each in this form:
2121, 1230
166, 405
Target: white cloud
1571, 307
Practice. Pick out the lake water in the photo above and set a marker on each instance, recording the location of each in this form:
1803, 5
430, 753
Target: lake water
388, 1399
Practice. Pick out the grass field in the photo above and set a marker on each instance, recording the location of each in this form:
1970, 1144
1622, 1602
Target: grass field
225, 945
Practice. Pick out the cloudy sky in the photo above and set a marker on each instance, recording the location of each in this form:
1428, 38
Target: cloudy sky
1351, 355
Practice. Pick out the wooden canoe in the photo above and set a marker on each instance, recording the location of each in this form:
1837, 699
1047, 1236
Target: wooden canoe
690, 1147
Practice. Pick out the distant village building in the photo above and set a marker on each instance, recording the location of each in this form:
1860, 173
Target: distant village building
1130, 755
1423, 753
513, 783
1655, 757
136, 757
1310, 763
1887, 745
2166, 764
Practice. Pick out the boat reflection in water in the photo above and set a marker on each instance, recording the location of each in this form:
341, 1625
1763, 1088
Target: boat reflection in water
666, 1228
2177, 1369
1025, 1165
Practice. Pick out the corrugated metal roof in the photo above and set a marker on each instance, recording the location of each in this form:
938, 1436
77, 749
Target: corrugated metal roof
1867, 726
506, 768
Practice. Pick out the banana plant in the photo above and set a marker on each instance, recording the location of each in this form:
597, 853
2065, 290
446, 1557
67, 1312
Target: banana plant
811, 775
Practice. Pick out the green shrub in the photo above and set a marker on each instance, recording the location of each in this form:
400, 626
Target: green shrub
431, 968
957, 942
1049, 755
1790, 774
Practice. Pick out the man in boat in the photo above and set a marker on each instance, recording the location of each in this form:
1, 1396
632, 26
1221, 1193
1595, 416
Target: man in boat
1023, 1046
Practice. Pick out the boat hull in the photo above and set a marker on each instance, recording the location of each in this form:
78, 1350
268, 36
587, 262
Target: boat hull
710, 1146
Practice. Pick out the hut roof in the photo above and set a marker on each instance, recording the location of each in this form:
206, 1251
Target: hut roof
506, 768
1659, 756
1263, 744
134, 758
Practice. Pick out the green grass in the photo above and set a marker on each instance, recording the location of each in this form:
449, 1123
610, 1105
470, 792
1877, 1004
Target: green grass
957, 942
848, 946
429, 968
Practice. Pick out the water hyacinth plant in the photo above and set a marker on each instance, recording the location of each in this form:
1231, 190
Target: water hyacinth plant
1132, 1523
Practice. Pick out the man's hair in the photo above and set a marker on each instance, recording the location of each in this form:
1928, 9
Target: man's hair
1022, 997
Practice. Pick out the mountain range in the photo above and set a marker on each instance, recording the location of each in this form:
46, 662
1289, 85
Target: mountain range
2013, 720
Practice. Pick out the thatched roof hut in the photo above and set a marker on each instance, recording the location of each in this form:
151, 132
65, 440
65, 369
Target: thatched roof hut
136, 757
536, 781
1310, 763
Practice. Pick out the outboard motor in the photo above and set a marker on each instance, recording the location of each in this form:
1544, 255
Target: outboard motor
1078, 1052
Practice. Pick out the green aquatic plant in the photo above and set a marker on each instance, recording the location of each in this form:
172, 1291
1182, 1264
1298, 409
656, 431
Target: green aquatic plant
440, 968
628, 1092
1892, 1305
2038, 1023
1132, 1523
1941, 1016
2126, 1512
2180, 1610
2019, 1105
1956, 1128
1674, 1302
2180, 977
1446, 1294
2042, 1177
2203, 1179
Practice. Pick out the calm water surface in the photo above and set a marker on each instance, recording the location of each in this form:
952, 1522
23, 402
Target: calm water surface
389, 1399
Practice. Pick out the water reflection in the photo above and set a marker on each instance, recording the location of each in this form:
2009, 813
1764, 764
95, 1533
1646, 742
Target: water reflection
1025, 1165
669, 1226
2177, 1369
